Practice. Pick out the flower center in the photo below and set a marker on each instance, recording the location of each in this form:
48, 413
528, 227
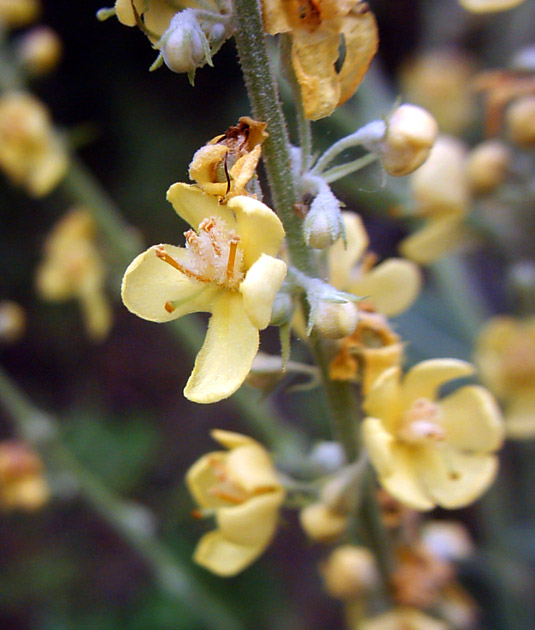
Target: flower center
421, 423
225, 488
213, 255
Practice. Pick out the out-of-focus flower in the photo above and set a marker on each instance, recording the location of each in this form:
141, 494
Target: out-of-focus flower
441, 195
402, 619
226, 164
72, 269
489, 6
487, 166
368, 352
316, 30
17, 13
520, 121
426, 451
321, 523
390, 287
228, 269
505, 355
241, 489
39, 50
349, 572
437, 80
448, 540
12, 321
22, 484
30, 154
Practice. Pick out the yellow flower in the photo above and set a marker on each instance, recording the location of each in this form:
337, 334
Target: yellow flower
228, 269
155, 15
226, 164
505, 355
30, 154
240, 486
17, 13
391, 286
22, 484
316, 29
431, 452
440, 189
402, 619
72, 269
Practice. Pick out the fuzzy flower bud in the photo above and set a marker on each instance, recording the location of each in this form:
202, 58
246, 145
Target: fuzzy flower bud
321, 523
282, 309
486, 166
185, 44
12, 321
40, 50
336, 320
323, 224
349, 572
520, 121
410, 134
17, 13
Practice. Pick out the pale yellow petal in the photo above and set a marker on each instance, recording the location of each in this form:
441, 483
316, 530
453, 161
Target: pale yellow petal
472, 420
425, 379
489, 6
125, 13
393, 285
231, 439
383, 399
343, 259
227, 354
275, 17
149, 284
250, 467
158, 16
222, 556
194, 205
259, 288
253, 522
520, 415
377, 360
259, 228
361, 37
204, 169
244, 169
314, 55
201, 478
454, 479
436, 239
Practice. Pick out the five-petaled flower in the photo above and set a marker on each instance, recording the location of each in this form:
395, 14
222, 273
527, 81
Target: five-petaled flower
228, 268
431, 452
240, 487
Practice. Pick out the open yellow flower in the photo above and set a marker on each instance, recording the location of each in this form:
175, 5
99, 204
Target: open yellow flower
228, 268
316, 29
30, 153
391, 286
240, 486
505, 355
72, 269
431, 452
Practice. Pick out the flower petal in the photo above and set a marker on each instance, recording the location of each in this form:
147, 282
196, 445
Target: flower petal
437, 238
520, 415
472, 420
454, 479
382, 401
222, 556
201, 478
393, 285
250, 467
194, 205
149, 283
425, 378
259, 288
275, 17
343, 259
227, 354
259, 228
231, 439
489, 6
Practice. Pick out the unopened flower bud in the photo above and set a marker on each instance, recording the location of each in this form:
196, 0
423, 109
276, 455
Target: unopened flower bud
40, 50
282, 309
12, 321
335, 320
410, 134
486, 166
184, 49
17, 13
349, 572
322, 524
520, 121
447, 540
323, 224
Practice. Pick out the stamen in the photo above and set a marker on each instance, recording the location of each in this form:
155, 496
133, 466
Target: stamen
233, 248
163, 255
169, 307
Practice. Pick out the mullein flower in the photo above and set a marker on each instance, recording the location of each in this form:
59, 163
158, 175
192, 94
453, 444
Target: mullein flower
431, 452
316, 29
31, 155
350, 572
240, 488
72, 269
505, 355
228, 268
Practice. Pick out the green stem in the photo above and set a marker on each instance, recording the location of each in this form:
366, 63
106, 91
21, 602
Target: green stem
132, 522
337, 172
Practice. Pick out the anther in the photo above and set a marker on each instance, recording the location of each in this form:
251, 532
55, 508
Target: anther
233, 248
169, 307
163, 255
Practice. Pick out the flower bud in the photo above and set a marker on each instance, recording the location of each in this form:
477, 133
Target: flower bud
447, 540
22, 484
17, 13
520, 121
335, 320
410, 134
488, 6
40, 50
349, 572
322, 524
486, 166
184, 43
323, 223
282, 309
12, 321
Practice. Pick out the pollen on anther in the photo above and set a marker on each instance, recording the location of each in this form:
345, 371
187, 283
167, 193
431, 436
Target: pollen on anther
168, 306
